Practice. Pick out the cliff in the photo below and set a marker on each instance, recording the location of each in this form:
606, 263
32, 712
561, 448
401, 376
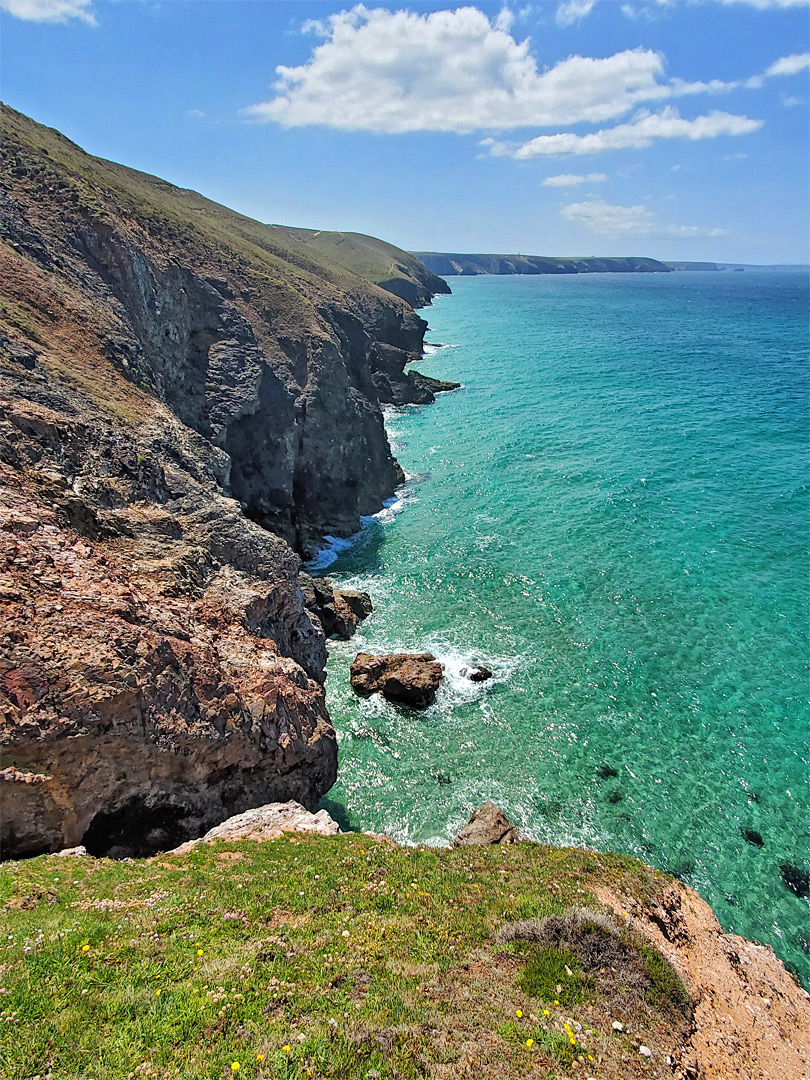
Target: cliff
187, 399
468, 265
392, 269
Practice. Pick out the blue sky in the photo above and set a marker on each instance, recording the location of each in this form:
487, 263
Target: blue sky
671, 128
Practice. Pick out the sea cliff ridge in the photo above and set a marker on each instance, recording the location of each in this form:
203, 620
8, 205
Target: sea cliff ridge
190, 401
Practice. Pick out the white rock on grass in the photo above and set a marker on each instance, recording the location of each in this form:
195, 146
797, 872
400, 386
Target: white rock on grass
267, 823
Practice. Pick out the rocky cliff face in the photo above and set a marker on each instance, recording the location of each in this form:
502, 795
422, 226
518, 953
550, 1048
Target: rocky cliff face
185, 401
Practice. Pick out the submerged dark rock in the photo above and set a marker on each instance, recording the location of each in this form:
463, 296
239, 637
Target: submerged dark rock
751, 836
606, 772
796, 878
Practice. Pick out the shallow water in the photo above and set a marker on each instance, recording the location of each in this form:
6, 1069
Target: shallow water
612, 514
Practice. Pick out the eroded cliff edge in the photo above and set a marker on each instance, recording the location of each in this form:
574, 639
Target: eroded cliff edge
187, 399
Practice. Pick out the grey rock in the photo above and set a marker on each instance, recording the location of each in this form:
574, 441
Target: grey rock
488, 825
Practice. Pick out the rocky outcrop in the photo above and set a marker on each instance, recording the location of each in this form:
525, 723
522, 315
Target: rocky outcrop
406, 678
266, 823
187, 403
395, 386
337, 610
488, 825
751, 1020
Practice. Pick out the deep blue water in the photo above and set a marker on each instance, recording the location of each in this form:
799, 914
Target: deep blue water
612, 513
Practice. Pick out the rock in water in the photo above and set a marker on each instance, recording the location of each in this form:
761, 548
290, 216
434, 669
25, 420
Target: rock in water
488, 825
358, 602
751, 836
479, 673
796, 879
407, 678
338, 611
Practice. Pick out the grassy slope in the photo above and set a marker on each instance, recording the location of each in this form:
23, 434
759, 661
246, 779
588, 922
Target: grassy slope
185, 217
307, 957
370, 258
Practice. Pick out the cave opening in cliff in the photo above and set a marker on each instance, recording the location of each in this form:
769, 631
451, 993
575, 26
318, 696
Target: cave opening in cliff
137, 830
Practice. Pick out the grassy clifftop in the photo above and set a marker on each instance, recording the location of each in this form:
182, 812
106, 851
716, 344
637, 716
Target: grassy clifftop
320, 957
338, 957
375, 260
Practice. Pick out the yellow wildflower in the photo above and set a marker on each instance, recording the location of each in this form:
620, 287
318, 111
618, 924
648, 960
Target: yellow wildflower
157, 993
199, 952
260, 1057
518, 1013
286, 1049
529, 1043
546, 1012
85, 948
235, 1066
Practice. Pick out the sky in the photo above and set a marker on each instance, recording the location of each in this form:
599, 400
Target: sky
676, 129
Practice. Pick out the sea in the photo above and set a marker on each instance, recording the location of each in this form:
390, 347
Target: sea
612, 514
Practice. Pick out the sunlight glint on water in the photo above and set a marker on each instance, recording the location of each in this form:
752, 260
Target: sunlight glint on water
612, 514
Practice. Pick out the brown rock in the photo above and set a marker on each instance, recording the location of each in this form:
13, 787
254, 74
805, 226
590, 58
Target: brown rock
408, 678
488, 825
359, 602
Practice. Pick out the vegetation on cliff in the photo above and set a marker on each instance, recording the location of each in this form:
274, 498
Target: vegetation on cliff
467, 265
375, 260
187, 399
348, 956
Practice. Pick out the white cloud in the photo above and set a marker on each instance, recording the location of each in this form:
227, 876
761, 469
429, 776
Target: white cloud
50, 10
573, 179
600, 217
790, 101
397, 71
789, 65
734, 157
572, 11
644, 129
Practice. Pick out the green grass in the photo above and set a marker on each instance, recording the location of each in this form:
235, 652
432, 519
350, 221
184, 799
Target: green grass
554, 975
349, 952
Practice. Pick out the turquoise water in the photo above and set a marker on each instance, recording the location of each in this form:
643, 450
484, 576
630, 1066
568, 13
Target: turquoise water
612, 514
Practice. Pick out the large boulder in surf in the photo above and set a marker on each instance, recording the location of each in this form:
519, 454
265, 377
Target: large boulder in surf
488, 825
406, 678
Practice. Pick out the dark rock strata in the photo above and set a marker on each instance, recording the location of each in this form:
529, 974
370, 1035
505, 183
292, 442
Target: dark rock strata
186, 400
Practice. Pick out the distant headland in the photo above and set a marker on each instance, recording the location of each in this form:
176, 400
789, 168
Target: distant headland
454, 264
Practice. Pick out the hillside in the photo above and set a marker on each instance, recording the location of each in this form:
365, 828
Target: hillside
347, 956
468, 265
188, 400
389, 267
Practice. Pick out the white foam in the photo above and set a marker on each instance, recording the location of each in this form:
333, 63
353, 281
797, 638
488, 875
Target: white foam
430, 349
336, 545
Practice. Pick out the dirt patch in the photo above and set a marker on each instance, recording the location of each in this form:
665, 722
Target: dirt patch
752, 1021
